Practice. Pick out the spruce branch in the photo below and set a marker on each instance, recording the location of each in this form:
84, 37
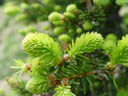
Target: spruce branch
38, 84
63, 90
88, 43
120, 53
82, 75
18, 85
39, 44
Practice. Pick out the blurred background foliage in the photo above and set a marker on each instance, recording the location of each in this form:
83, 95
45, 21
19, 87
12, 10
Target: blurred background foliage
9, 42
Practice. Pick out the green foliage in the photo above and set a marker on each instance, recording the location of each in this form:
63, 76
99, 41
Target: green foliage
109, 43
122, 92
79, 30
24, 6
38, 67
88, 42
55, 18
120, 53
37, 84
28, 29
64, 38
87, 25
18, 85
21, 17
46, 46
69, 15
63, 90
111, 37
101, 2
71, 8
58, 30
2, 92
121, 2
109, 46
12, 10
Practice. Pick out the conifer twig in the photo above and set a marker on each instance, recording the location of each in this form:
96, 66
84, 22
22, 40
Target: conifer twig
81, 75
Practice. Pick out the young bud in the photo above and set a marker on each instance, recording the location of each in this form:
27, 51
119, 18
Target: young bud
79, 30
37, 84
21, 17
71, 31
55, 16
87, 25
22, 32
46, 27
69, 15
109, 45
24, 6
63, 90
111, 37
71, 8
57, 8
42, 45
12, 10
64, 38
58, 30
109, 66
